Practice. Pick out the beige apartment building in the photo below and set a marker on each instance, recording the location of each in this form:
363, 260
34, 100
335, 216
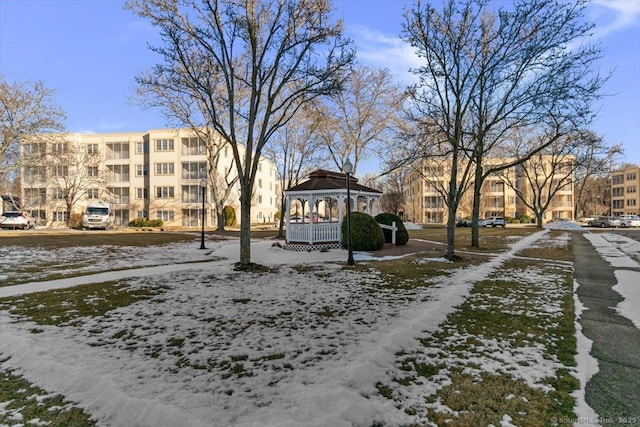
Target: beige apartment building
424, 201
625, 191
155, 174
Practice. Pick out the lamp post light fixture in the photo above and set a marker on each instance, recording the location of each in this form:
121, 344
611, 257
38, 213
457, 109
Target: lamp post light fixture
347, 168
203, 186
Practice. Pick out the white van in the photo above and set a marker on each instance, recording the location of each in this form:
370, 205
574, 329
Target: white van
98, 215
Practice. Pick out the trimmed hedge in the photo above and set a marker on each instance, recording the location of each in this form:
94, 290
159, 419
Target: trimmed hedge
366, 234
402, 236
144, 222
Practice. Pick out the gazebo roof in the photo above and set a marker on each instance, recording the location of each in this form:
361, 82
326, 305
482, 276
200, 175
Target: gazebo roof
327, 180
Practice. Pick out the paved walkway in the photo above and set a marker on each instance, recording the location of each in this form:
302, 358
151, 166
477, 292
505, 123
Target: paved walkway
614, 392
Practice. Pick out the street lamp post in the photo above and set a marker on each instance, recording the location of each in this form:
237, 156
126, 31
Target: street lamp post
347, 168
203, 186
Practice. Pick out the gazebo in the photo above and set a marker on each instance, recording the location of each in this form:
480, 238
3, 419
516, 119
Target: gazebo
316, 207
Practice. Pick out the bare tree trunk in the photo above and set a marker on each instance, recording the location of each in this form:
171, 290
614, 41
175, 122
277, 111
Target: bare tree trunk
245, 228
475, 213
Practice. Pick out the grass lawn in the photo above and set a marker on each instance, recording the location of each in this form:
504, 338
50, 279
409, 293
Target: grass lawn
482, 366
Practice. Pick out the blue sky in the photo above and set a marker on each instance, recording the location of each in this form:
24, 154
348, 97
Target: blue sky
90, 50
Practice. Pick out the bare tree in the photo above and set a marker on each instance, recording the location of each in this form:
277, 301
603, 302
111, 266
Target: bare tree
539, 183
487, 73
186, 110
393, 187
26, 108
363, 114
292, 149
57, 162
594, 158
251, 64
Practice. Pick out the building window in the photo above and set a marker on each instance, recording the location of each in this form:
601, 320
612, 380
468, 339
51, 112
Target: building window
142, 147
58, 193
631, 189
193, 147
120, 195
191, 194
60, 216
496, 186
164, 168
631, 202
60, 171
34, 174
92, 149
60, 148
142, 170
92, 171
164, 144
35, 196
617, 180
142, 214
433, 202
259, 183
93, 193
618, 192
191, 217
194, 170
117, 150
118, 173
142, 193
165, 215
631, 176
165, 192
34, 149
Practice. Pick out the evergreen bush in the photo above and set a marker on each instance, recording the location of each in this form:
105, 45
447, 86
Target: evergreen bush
229, 214
402, 236
365, 232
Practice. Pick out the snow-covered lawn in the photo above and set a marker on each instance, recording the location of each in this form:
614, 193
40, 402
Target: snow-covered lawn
308, 342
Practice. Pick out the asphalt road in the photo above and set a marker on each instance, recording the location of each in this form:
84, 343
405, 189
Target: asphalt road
614, 392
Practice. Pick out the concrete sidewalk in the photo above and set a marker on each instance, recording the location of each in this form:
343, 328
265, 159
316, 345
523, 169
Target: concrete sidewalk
614, 392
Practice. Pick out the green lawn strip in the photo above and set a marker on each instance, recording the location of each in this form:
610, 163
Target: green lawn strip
555, 245
62, 307
22, 403
525, 307
412, 271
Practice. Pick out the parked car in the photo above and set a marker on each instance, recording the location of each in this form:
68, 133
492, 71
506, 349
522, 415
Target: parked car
17, 219
462, 222
604, 222
496, 221
586, 220
629, 221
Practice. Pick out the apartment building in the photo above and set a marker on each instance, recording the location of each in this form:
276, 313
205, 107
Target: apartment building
155, 174
425, 203
625, 191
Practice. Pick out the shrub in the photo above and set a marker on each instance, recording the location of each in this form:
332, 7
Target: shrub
366, 234
144, 222
402, 236
525, 219
229, 214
